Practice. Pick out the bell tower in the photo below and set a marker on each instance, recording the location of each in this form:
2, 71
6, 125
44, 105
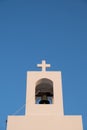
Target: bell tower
44, 104
44, 92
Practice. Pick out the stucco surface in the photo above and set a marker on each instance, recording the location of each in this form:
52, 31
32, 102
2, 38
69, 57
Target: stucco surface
45, 123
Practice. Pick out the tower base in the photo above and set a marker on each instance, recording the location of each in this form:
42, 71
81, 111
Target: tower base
44, 123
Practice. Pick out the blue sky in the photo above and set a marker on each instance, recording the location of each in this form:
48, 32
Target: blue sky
32, 30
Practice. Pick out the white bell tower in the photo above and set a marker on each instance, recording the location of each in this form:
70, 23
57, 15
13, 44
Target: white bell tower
44, 78
44, 104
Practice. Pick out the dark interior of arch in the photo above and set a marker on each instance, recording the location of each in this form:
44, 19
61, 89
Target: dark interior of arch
44, 91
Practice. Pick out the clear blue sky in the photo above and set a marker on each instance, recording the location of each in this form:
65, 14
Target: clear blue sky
32, 30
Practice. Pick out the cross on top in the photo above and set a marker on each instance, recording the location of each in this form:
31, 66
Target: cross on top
44, 65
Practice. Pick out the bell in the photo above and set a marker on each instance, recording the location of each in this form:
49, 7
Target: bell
44, 100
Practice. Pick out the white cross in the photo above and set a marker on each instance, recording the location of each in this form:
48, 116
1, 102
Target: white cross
44, 65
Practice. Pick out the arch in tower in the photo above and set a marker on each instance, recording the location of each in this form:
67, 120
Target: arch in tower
44, 91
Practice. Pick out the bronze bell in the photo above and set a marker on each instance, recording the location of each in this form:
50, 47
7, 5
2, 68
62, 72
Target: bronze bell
44, 100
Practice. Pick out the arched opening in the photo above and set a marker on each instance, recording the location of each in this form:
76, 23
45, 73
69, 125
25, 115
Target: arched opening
44, 91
